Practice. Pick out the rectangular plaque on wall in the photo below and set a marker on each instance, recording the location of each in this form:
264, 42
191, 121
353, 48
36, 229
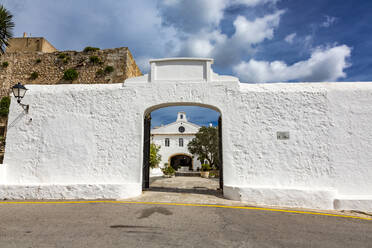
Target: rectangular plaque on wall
282, 135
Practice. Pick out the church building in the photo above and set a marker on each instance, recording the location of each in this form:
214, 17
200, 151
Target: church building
173, 140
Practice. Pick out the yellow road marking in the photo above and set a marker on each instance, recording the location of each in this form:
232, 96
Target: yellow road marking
189, 204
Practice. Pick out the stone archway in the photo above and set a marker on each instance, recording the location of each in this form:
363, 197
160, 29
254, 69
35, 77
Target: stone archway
181, 161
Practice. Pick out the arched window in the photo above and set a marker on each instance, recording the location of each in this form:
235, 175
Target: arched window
180, 142
181, 116
166, 141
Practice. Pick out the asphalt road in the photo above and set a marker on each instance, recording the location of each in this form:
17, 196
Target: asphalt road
143, 225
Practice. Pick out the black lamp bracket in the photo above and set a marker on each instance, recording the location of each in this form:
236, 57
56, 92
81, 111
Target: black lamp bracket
25, 107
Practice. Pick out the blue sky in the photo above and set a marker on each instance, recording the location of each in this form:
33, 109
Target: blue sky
256, 40
199, 115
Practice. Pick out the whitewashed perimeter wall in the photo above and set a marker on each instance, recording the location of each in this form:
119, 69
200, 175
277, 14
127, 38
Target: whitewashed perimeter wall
86, 141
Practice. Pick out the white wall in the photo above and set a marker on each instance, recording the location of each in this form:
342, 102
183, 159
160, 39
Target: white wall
93, 135
73, 137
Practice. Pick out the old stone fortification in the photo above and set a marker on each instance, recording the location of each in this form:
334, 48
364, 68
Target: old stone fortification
50, 67
30, 44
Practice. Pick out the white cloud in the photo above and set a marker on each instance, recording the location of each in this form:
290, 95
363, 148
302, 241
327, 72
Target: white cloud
252, 3
229, 50
195, 47
323, 65
199, 34
247, 35
201, 44
253, 32
329, 21
191, 16
289, 38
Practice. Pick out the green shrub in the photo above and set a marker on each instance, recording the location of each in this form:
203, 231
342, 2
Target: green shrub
5, 102
212, 174
62, 55
66, 60
206, 167
90, 49
94, 59
100, 72
34, 75
4, 106
109, 69
168, 170
5, 64
70, 74
38, 61
4, 112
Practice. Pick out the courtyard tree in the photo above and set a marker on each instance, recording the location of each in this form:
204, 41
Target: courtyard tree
6, 28
155, 157
205, 146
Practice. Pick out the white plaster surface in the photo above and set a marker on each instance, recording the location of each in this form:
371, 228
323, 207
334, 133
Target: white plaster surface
70, 191
295, 197
3, 169
361, 203
93, 135
181, 69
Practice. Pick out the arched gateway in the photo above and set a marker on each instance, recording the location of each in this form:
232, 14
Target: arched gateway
172, 140
299, 145
181, 161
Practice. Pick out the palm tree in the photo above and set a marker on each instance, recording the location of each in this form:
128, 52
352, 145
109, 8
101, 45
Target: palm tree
6, 28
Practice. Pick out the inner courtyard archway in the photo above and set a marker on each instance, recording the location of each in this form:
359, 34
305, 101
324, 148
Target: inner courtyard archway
182, 162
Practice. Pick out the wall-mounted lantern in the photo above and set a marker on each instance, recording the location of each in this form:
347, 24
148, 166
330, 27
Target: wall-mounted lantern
19, 92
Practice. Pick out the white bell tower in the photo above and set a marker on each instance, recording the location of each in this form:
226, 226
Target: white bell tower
181, 116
